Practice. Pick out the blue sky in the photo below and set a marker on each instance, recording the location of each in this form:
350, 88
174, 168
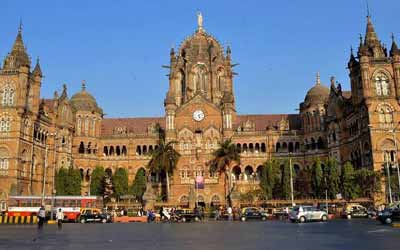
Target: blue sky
118, 46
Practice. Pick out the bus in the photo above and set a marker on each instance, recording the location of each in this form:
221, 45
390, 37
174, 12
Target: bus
70, 205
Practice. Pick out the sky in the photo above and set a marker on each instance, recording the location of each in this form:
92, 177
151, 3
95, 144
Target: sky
119, 46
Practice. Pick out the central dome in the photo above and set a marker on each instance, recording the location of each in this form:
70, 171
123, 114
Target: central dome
318, 94
83, 101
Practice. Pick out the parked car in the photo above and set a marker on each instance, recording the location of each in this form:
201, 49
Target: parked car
253, 213
354, 210
307, 213
389, 215
94, 215
186, 215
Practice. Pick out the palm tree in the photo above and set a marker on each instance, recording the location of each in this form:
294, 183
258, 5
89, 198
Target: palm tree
223, 157
164, 158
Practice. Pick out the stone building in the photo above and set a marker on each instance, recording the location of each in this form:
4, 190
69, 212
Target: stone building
38, 136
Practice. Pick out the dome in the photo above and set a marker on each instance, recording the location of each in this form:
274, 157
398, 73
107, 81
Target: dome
83, 101
318, 94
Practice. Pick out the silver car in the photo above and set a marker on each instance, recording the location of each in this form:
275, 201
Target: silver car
307, 213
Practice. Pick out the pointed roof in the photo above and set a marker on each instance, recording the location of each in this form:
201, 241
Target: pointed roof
394, 50
370, 34
37, 71
18, 56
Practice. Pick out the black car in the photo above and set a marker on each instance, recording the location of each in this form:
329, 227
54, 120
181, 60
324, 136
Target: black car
252, 213
389, 215
186, 215
94, 215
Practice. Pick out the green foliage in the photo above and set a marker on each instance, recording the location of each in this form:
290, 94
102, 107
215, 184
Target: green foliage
285, 181
332, 176
268, 179
368, 182
349, 185
303, 184
221, 161
120, 182
68, 181
318, 179
139, 184
96, 184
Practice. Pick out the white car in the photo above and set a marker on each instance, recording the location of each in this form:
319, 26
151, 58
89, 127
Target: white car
307, 213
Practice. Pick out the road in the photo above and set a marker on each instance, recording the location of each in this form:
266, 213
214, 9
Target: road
337, 234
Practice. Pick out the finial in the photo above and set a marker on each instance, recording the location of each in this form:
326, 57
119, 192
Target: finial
351, 50
318, 79
20, 25
368, 13
332, 81
37, 60
361, 39
83, 85
64, 87
392, 37
199, 21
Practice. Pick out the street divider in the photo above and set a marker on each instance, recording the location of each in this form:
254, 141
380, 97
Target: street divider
396, 225
125, 219
5, 219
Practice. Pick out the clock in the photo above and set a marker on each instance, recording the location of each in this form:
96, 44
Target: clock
198, 115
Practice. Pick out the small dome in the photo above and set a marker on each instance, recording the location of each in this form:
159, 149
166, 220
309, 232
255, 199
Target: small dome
318, 94
83, 101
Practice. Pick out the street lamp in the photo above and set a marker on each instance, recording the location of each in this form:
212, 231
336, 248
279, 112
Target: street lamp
291, 179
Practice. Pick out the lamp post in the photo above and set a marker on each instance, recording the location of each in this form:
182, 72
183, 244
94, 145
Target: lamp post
44, 175
388, 174
291, 179
396, 161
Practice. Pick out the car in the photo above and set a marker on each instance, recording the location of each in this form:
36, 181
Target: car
94, 215
307, 213
186, 215
354, 210
253, 213
390, 214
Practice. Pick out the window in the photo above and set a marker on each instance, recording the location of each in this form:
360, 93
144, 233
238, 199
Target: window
8, 96
78, 126
382, 85
385, 115
5, 124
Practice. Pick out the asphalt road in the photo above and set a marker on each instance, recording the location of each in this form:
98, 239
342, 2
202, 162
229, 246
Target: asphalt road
337, 234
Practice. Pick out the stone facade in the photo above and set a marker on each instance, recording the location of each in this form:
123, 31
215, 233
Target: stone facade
38, 136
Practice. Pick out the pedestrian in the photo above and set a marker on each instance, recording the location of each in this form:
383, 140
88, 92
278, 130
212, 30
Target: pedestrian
229, 211
60, 217
161, 213
41, 217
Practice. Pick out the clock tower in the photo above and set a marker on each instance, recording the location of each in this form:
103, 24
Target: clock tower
199, 105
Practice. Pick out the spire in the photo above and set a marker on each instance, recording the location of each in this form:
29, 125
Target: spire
199, 22
83, 85
64, 92
318, 81
394, 50
370, 34
352, 59
37, 70
18, 56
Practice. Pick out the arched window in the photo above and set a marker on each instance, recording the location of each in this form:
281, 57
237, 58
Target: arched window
87, 126
251, 147
381, 84
78, 126
4, 161
236, 171
291, 147
297, 147
263, 148
385, 114
111, 151
105, 150
93, 127
81, 149
220, 80
5, 124
8, 96
118, 150
278, 147
123, 150
138, 150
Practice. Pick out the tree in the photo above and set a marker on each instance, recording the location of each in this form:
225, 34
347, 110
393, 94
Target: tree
120, 182
332, 176
223, 157
286, 191
96, 183
368, 182
269, 176
68, 181
164, 159
349, 185
303, 184
139, 184
317, 179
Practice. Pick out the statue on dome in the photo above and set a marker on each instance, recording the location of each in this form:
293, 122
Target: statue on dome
200, 20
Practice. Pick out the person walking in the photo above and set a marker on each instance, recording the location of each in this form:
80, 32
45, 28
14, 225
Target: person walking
41, 217
229, 211
60, 218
